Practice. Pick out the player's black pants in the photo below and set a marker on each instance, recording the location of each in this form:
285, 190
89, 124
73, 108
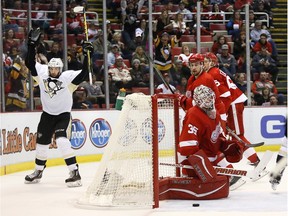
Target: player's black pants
50, 124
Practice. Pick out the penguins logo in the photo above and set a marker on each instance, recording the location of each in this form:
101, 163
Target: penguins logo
52, 86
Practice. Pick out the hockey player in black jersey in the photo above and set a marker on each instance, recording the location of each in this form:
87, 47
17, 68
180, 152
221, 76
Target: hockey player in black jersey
56, 89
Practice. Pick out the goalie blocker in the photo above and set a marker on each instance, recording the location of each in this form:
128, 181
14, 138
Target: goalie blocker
202, 183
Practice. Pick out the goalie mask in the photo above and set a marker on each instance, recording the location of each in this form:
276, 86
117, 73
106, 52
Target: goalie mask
204, 97
53, 64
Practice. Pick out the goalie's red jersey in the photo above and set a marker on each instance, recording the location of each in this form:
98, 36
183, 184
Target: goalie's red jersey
199, 132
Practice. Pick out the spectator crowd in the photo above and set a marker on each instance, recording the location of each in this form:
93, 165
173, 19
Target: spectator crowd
174, 37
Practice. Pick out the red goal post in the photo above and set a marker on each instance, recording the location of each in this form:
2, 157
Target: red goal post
146, 134
157, 99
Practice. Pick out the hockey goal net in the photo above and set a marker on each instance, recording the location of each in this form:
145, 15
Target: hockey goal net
146, 134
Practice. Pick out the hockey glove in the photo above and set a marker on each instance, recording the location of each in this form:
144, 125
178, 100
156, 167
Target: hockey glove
34, 36
232, 149
87, 47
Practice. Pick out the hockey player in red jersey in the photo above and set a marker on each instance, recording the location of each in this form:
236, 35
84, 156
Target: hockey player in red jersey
201, 126
233, 99
199, 77
202, 131
199, 148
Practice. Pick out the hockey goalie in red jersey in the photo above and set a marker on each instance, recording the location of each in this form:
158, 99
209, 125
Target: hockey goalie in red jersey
201, 148
233, 99
202, 130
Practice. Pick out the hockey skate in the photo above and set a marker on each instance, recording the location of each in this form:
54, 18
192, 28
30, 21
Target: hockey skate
275, 181
236, 182
277, 172
261, 173
260, 166
34, 177
74, 180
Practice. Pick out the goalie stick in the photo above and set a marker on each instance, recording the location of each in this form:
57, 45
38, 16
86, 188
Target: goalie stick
254, 175
219, 170
241, 141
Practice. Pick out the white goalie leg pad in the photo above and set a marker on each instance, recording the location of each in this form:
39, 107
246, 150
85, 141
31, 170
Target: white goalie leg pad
41, 154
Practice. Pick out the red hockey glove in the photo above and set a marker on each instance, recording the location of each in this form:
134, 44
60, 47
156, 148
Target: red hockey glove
232, 149
182, 100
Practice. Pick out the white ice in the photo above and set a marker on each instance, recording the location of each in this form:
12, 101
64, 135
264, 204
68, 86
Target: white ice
52, 198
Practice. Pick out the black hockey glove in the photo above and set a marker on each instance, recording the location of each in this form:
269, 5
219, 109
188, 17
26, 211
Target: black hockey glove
34, 36
87, 47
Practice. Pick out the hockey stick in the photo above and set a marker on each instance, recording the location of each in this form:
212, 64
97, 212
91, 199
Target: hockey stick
159, 73
254, 175
241, 141
219, 170
81, 9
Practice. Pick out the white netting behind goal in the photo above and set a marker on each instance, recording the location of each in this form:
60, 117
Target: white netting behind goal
125, 173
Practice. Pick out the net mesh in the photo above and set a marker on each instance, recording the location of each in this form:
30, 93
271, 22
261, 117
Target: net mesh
125, 173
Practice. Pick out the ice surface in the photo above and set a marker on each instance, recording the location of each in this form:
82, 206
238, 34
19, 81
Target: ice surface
51, 197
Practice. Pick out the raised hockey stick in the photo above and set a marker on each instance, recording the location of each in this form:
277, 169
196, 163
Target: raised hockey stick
81, 9
254, 175
241, 141
159, 73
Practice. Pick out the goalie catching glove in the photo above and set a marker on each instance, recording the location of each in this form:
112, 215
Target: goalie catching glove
232, 149
34, 37
87, 47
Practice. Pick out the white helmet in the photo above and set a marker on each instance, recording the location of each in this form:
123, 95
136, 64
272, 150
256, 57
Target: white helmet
204, 97
56, 62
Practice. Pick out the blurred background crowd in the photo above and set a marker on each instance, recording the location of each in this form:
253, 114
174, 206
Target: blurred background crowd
222, 27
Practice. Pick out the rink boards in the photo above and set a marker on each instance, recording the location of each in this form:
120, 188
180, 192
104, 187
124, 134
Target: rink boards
91, 131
